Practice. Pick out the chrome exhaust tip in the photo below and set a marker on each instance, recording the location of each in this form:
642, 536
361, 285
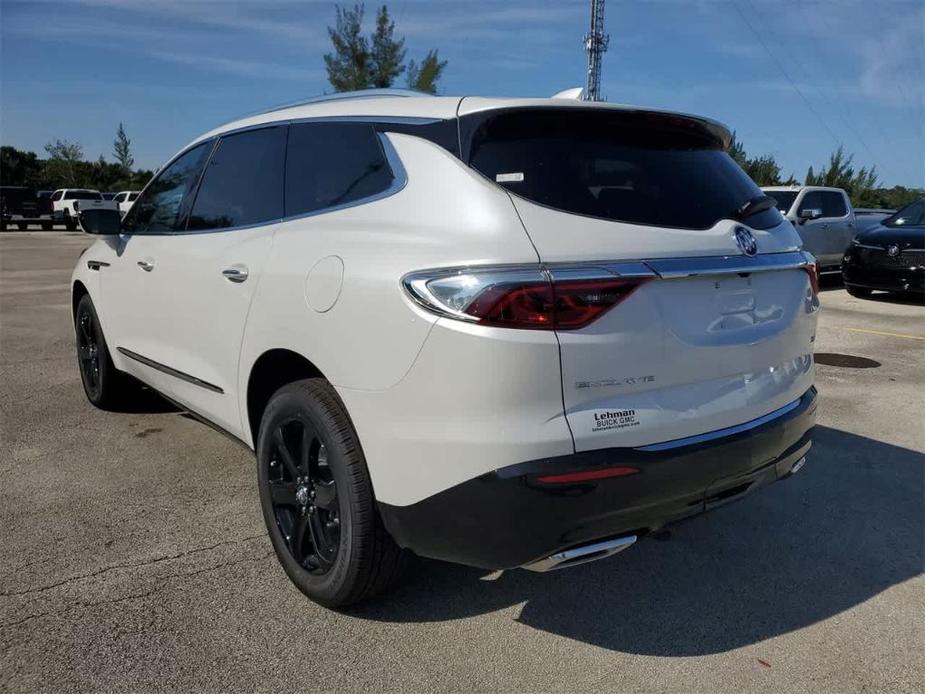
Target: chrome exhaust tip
581, 555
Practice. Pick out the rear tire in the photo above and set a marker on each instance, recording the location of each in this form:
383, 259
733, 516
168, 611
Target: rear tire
858, 292
69, 222
105, 386
317, 498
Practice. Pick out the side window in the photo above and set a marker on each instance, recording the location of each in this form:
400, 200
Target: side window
119, 197
70, 195
57, 195
811, 201
161, 207
243, 181
330, 164
833, 204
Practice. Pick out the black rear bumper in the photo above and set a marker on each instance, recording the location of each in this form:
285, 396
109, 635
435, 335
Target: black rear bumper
510, 518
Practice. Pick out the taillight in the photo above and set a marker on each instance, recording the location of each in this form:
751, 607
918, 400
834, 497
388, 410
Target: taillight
526, 297
812, 269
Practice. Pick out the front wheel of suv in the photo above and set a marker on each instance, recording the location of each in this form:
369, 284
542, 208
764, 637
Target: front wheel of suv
104, 385
317, 498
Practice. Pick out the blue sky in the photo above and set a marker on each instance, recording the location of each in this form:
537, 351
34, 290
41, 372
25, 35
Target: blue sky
795, 79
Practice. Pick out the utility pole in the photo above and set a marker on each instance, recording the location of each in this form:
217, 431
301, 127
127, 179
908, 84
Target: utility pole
596, 42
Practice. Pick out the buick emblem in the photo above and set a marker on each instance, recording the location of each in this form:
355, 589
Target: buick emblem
745, 241
892, 250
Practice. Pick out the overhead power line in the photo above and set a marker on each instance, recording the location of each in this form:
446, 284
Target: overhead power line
783, 71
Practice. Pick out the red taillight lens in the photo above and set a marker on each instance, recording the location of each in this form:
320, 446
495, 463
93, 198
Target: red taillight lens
813, 271
526, 306
580, 302
523, 297
564, 305
587, 475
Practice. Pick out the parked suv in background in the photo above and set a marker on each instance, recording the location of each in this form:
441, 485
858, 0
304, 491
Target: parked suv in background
501, 332
890, 256
68, 202
822, 216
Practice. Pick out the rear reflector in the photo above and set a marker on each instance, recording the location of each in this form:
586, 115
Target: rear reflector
813, 271
587, 475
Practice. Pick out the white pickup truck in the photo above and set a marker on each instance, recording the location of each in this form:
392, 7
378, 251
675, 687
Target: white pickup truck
67, 203
823, 217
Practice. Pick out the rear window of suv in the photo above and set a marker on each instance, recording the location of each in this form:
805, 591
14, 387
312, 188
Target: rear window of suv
634, 167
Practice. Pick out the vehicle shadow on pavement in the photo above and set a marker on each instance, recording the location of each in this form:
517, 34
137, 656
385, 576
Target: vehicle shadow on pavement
848, 526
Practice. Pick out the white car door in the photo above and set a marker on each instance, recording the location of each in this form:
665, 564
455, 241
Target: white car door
202, 277
131, 301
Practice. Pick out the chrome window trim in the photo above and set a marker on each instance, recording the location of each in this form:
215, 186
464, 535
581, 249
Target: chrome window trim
163, 368
720, 433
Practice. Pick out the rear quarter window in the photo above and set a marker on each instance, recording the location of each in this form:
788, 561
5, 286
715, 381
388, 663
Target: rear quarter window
641, 168
333, 164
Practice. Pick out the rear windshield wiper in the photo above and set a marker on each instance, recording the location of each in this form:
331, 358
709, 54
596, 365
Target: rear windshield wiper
754, 206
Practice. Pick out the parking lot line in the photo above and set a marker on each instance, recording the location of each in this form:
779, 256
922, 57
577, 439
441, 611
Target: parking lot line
881, 332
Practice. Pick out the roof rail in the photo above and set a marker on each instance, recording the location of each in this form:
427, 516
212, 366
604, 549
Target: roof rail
339, 96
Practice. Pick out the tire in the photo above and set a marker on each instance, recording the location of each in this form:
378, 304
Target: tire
69, 222
858, 292
317, 498
105, 386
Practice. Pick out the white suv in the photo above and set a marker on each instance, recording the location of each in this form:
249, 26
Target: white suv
501, 332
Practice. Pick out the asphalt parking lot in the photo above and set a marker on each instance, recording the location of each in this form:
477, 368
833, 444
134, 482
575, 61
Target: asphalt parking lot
133, 554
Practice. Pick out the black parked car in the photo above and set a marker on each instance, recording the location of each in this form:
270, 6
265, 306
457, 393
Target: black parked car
889, 256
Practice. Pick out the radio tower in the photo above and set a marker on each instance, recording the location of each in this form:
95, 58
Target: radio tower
595, 44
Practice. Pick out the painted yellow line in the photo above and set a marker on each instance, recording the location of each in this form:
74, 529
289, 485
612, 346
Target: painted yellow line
880, 332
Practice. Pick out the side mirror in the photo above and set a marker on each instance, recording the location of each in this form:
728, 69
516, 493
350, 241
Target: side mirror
102, 222
808, 213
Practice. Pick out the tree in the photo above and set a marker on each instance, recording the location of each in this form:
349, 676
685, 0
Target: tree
763, 170
388, 54
424, 77
121, 148
64, 158
18, 168
358, 62
840, 173
348, 66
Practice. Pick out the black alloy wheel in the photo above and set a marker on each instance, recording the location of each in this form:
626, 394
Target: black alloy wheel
88, 352
304, 495
317, 498
105, 386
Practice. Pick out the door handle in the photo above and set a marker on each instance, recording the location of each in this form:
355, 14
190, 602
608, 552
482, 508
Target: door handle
235, 273
146, 265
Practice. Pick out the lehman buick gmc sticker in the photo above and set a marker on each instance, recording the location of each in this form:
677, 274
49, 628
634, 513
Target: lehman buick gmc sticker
610, 420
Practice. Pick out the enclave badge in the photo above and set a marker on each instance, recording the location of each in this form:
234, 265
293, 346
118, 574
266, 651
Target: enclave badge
745, 241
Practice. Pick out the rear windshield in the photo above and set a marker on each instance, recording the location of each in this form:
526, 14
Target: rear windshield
82, 195
633, 167
783, 198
